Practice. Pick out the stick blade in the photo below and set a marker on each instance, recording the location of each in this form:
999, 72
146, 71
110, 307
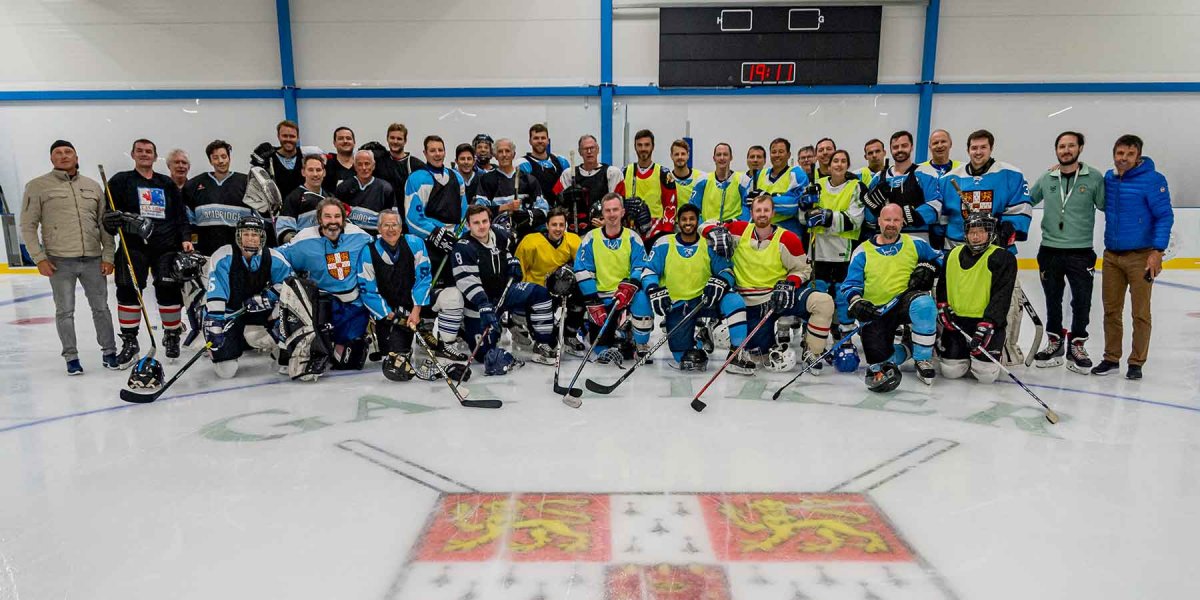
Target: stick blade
1052, 417
573, 392
572, 401
490, 403
698, 405
599, 388
129, 395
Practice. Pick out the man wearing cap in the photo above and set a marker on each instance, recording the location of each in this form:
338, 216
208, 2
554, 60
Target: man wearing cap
68, 208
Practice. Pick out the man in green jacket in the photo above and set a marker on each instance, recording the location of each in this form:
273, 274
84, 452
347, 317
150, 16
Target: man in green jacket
67, 207
1073, 192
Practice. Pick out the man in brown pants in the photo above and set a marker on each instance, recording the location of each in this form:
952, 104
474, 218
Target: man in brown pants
1137, 228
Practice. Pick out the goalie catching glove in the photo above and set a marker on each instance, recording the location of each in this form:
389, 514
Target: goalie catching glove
262, 194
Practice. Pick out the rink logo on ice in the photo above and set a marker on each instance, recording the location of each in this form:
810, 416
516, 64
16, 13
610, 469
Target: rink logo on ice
656, 546
338, 264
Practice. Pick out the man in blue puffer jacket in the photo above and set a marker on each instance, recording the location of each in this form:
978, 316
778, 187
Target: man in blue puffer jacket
1137, 229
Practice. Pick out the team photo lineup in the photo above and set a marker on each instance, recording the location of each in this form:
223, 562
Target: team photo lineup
812, 259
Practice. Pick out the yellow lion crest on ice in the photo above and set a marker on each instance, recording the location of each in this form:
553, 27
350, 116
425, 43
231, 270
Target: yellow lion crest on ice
835, 528
506, 514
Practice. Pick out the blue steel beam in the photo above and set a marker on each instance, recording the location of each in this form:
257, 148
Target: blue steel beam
449, 92
606, 81
928, 77
100, 95
287, 63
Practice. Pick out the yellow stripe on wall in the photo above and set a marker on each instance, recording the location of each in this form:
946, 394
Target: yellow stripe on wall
1174, 263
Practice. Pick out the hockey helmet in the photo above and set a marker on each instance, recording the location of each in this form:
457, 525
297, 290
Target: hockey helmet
250, 224
883, 378
980, 219
694, 359
781, 358
147, 375
499, 361
185, 266
560, 281
846, 360
397, 368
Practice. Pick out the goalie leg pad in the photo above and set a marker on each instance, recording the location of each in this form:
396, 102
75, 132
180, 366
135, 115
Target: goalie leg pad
303, 332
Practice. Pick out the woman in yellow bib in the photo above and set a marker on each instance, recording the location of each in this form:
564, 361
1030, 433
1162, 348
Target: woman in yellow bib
973, 297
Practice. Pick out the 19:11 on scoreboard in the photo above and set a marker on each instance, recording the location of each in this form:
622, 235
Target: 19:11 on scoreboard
759, 73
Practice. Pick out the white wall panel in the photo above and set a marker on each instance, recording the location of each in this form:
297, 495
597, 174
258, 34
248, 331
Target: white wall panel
746, 121
455, 120
123, 44
635, 45
102, 133
1068, 40
1025, 127
410, 43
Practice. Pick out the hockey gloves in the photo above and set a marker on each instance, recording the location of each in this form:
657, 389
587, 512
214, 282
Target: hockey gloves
819, 217
660, 300
922, 277
597, 313
488, 319
443, 239
623, 297
783, 296
721, 241
875, 199
637, 211
514, 269
257, 303
982, 337
261, 156
1006, 234
131, 224
810, 197
912, 218
714, 291
863, 310
946, 316
214, 331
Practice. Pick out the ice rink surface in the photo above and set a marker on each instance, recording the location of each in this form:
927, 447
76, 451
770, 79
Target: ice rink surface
356, 487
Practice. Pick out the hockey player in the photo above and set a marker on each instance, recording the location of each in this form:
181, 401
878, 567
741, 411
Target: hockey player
786, 185
580, 188
484, 269
771, 272
973, 297
685, 271
756, 159
325, 318
888, 266
824, 153
300, 207
916, 190
396, 268
876, 158
214, 200
834, 224
806, 157
684, 175
484, 147
464, 162
179, 164
339, 165
545, 167
940, 161
403, 164
1000, 189
245, 274
609, 268
513, 196
150, 198
366, 194
542, 254
283, 162
652, 183
722, 195
435, 206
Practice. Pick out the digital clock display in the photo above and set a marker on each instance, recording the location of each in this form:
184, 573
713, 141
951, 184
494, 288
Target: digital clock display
768, 73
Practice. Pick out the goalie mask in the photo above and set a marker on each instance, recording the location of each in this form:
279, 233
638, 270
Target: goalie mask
251, 234
979, 220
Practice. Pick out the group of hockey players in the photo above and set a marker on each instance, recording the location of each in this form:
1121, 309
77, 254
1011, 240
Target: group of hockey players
330, 261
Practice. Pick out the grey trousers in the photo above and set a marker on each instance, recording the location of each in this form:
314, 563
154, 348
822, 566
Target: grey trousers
95, 287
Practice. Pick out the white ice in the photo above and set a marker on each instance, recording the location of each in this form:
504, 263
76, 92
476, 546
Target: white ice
258, 487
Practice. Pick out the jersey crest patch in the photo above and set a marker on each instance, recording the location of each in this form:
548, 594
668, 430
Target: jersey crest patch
975, 201
338, 264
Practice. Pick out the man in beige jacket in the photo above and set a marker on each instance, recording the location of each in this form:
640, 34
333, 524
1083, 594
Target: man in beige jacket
67, 207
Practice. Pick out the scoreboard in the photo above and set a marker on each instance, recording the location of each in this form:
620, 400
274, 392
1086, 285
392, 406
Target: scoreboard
768, 45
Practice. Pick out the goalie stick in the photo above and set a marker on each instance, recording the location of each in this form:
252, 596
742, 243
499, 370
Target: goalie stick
1038, 328
561, 315
461, 395
600, 388
1050, 414
698, 404
129, 395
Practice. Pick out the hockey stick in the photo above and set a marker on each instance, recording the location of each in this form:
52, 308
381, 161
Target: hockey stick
487, 330
572, 400
1050, 414
697, 404
562, 325
129, 395
442, 264
132, 274
461, 395
1038, 328
600, 388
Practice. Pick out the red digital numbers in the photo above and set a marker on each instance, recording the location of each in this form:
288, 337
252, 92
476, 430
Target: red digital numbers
768, 72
